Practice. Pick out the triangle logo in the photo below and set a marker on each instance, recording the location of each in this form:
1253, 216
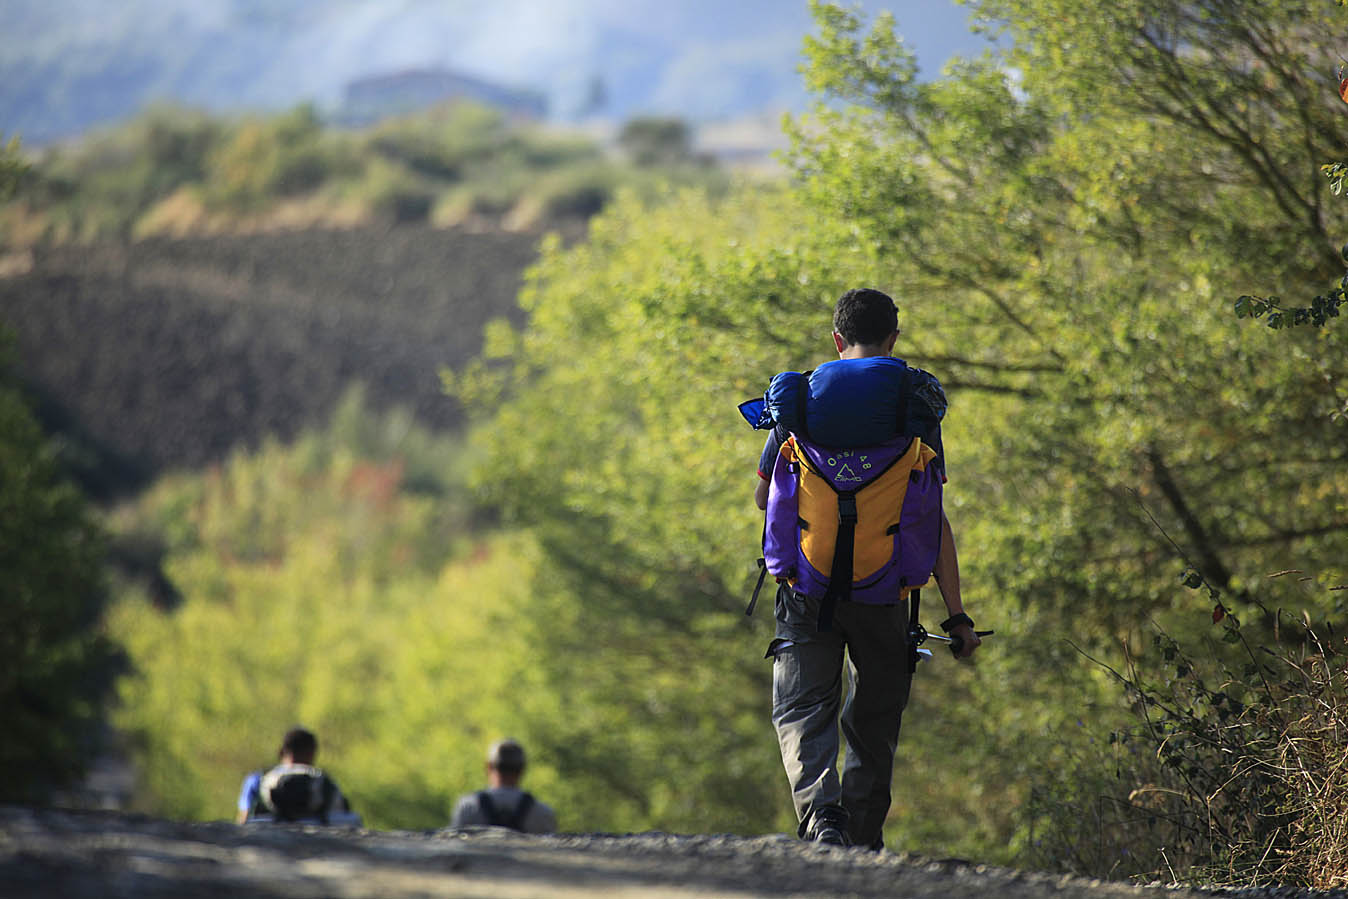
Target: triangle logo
846, 474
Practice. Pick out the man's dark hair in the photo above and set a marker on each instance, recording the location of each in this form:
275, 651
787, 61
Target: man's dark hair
300, 744
506, 756
865, 316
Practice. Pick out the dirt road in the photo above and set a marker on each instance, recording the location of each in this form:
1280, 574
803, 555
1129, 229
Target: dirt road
95, 854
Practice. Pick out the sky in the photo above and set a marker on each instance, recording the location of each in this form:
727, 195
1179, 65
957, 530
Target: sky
700, 59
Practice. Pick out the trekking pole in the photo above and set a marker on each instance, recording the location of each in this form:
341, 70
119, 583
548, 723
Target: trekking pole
917, 635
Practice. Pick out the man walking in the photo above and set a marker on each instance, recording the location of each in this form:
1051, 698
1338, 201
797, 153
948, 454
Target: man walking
857, 401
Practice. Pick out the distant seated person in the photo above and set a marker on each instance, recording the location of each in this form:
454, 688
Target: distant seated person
503, 803
294, 791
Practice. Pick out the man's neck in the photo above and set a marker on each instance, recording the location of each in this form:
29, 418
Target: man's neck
863, 350
860, 351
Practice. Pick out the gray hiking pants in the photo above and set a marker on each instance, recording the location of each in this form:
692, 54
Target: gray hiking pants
806, 698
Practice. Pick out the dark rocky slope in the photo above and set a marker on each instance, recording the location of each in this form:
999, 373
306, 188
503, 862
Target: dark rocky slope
167, 353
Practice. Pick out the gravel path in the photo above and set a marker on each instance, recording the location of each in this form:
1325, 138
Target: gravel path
94, 854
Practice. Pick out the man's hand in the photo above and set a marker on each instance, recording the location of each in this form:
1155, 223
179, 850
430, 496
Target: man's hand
968, 640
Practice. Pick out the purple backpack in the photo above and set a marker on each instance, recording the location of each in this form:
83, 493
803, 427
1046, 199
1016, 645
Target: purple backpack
862, 524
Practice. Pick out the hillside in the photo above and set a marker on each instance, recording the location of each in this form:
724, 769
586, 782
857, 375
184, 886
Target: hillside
168, 352
104, 855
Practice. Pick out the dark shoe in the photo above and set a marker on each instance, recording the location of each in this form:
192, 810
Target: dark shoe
829, 834
828, 825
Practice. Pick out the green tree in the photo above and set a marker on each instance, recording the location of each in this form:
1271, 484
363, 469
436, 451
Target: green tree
59, 666
656, 141
340, 582
1054, 241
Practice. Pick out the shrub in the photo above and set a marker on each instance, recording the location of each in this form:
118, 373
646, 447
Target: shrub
651, 141
1236, 772
58, 666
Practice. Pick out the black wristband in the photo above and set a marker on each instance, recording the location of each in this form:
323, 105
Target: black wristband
955, 621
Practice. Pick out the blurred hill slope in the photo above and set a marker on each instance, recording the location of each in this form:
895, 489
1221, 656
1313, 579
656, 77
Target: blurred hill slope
166, 353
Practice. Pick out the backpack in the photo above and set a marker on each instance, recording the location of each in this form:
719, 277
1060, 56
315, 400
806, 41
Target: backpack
516, 819
296, 793
860, 523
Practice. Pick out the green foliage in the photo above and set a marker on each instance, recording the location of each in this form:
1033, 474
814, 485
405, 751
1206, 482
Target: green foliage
652, 141
337, 582
178, 171
1240, 775
266, 160
103, 185
1054, 243
1319, 312
59, 665
12, 166
1053, 240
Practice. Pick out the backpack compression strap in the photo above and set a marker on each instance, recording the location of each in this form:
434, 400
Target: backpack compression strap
840, 576
762, 575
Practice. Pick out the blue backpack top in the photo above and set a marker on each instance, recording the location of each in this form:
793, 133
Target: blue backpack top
869, 401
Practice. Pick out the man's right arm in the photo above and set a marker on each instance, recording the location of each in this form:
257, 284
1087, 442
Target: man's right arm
948, 582
771, 447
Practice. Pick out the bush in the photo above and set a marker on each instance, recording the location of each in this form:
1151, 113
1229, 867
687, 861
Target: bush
656, 141
1236, 773
267, 159
58, 665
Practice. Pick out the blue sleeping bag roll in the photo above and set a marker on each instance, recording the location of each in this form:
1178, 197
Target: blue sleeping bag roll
857, 402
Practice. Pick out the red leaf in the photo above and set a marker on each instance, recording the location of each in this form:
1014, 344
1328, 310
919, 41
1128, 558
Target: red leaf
1218, 613
1343, 90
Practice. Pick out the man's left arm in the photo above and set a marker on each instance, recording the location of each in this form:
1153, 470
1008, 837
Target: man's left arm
948, 580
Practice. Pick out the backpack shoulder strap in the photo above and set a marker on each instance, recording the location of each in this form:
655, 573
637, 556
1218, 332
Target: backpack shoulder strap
522, 810
488, 808
329, 798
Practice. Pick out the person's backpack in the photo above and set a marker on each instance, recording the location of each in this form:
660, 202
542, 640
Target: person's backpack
860, 523
296, 793
515, 820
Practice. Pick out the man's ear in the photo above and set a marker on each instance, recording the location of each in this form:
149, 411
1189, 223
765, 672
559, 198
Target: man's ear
839, 342
890, 341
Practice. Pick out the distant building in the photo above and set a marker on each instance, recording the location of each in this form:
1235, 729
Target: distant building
368, 100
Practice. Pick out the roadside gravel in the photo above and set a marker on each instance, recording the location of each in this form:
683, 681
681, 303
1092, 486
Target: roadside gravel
97, 854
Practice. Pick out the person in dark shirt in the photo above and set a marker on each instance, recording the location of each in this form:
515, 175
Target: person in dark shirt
504, 803
808, 661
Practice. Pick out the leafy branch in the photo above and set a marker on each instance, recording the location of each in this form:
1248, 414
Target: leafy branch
1323, 307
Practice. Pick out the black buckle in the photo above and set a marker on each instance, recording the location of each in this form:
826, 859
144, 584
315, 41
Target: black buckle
847, 509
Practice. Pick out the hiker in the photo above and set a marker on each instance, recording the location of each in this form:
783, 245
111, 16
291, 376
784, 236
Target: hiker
860, 411
503, 803
294, 791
